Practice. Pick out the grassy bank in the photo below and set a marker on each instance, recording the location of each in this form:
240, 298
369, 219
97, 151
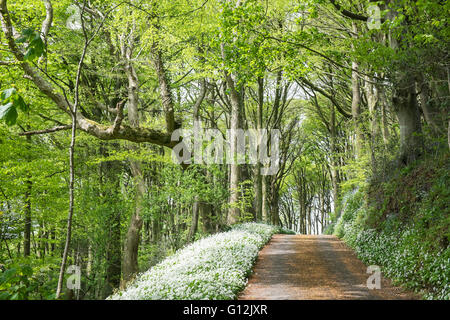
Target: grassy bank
403, 225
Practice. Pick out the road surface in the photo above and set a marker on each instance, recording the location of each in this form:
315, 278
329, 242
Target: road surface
302, 267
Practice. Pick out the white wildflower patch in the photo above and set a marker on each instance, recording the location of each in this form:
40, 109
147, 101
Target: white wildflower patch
402, 255
215, 267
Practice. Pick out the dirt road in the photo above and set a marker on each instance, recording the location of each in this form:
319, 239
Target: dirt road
313, 267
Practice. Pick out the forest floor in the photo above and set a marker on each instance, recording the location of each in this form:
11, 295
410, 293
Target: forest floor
302, 267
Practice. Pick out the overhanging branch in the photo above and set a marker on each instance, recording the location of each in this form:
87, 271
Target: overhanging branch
54, 129
325, 94
111, 132
347, 13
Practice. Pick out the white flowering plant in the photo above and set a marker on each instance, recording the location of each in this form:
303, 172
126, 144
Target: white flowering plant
213, 268
401, 250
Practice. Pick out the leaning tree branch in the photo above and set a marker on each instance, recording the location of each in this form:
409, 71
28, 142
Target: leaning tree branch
89, 126
347, 13
48, 19
325, 94
54, 129
332, 61
200, 99
119, 116
50, 119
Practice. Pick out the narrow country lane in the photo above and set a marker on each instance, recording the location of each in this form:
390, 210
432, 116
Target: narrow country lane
298, 267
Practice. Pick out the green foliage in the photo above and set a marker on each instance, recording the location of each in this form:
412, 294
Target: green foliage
411, 245
286, 231
329, 229
15, 283
11, 101
27, 279
245, 201
35, 46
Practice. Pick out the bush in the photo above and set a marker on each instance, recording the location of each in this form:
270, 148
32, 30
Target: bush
286, 231
215, 267
329, 229
27, 279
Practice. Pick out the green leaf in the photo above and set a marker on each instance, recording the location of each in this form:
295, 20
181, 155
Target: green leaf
38, 45
4, 296
51, 296
35, 47
27, 270
22, 39
7, 275
7, 93
28, 32
9, 113
30, 54
26, 35
20, 103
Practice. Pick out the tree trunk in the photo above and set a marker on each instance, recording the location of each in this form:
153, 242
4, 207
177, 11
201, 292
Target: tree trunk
73, 113
197, 204
334, 163
274, 209
131, 248
356, 109
236, 109
384, 120
206, 212
27, 231
430, 111
258, 203
235, 170
404, 101
71, 203
164, 88
372, 101
111, 185
405, 105
265, 198
29, 186
194, 224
